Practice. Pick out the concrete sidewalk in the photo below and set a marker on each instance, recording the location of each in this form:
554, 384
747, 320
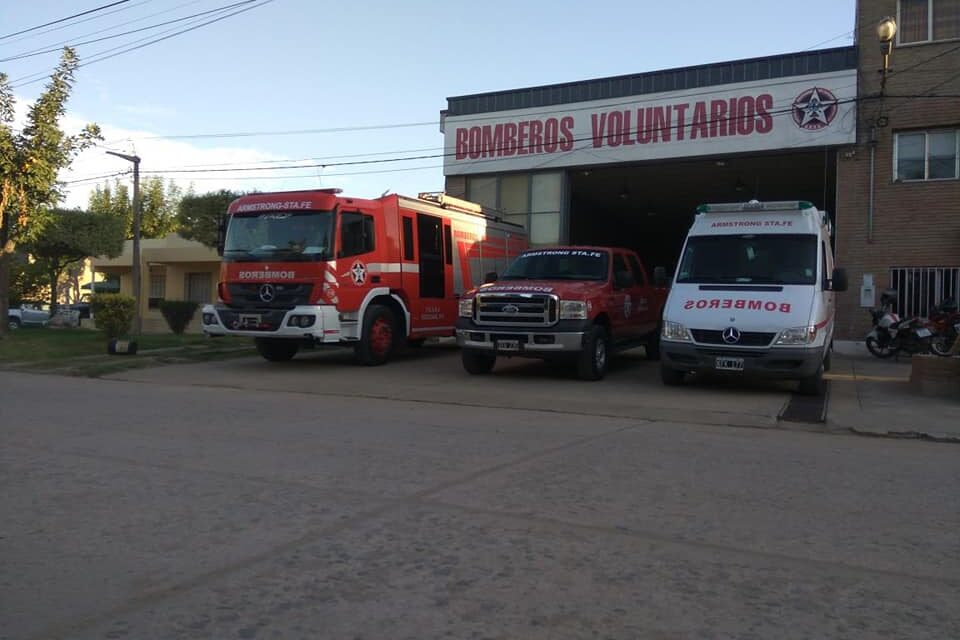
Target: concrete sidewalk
874, 397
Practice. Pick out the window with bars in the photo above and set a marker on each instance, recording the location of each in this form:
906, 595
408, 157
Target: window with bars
158, 289
197, 287
927, 155
921, 288
927, 20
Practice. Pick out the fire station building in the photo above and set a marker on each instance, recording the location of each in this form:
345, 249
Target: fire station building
869, 133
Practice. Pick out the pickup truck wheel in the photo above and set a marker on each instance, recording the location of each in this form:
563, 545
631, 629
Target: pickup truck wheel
378, 341
813, 385
670, 376
477, 362
592, 361
277, 350
13, 323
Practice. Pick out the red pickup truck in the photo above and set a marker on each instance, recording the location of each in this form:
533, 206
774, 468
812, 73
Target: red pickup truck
569, 302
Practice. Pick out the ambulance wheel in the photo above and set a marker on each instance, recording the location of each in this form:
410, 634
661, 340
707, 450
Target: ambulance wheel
670, 376
276, 349
477, 363
592, 361
653, 346
378, 340
814, 385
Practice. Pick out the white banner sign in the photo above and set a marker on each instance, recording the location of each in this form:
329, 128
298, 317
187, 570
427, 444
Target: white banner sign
777, 114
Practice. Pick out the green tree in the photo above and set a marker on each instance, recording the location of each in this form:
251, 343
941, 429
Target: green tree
199, 215
30, 161
158, 205
28, 282
71, 236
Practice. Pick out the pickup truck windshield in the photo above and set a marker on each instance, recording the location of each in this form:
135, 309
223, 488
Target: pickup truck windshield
291, 237
559, 264
743, 259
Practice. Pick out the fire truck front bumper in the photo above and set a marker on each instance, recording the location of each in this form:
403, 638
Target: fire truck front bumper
320, 323
565, 336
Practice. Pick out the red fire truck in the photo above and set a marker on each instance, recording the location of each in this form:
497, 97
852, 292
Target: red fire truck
305, 268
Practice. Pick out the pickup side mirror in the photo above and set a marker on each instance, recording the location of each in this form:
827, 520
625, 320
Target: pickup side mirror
491, 276
623, 279
660, 277
838, 280
221, 234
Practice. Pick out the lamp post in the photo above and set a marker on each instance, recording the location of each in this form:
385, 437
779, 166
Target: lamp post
886, 30
136, 237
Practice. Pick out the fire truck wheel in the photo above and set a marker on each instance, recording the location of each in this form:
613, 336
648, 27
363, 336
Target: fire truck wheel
379, 338
592, 362
276, 350
477, 362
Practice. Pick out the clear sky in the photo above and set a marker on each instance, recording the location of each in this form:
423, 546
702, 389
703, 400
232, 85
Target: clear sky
323, 83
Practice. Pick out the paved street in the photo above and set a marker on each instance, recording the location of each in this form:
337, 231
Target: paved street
317, 499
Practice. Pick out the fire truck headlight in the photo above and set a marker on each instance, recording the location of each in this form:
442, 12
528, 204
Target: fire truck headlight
573, 310
797, 335
675, 331
466, 307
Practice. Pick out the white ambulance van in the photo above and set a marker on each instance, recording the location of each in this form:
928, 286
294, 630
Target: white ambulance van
753, 295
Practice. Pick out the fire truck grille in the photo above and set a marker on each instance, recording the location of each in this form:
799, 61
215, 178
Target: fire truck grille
747, 338
269, 295
526, 309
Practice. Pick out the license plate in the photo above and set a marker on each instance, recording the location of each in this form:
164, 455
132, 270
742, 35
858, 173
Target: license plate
250, 320
728, 364
923, 332
508, 345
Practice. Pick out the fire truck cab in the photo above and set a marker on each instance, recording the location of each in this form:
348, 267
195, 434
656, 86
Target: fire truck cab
308, 268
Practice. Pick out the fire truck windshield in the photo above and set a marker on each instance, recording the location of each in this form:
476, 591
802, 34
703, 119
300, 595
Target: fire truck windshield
760, 258
559, 264
274, 236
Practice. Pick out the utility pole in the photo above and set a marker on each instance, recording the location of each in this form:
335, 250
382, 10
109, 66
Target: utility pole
137, 324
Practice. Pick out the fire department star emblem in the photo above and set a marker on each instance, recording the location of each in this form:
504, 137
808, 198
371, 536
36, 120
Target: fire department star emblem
815, 109
359, 273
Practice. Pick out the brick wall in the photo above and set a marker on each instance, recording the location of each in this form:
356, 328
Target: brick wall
915, 224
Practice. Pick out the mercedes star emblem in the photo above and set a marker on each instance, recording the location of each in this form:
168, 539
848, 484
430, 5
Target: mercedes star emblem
267, 293
731, 335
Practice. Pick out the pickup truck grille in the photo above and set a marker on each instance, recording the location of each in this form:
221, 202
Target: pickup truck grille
516, 309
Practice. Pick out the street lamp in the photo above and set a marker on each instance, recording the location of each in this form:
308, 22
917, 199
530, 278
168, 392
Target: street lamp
136, 237
886, 30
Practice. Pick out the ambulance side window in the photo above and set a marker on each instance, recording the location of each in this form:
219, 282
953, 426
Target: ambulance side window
825, 275
356, 234
407, 238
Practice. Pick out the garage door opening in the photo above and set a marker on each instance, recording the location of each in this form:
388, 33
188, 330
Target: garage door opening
649, 207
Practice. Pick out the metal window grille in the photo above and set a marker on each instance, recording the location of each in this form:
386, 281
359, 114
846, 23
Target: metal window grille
921, 288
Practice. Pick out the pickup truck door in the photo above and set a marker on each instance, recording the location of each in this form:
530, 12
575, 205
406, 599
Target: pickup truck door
644, 316
620, 301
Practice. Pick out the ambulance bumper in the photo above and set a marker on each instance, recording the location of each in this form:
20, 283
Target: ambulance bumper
781, 363
319, 323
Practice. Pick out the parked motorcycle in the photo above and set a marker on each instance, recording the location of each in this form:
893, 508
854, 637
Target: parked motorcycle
892, 335
944, 322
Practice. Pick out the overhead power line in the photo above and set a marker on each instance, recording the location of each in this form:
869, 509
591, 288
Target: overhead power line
76, 15
38, 52
98, 16
120, 50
